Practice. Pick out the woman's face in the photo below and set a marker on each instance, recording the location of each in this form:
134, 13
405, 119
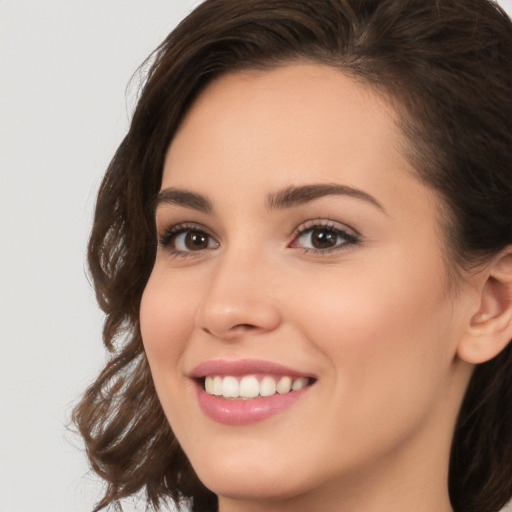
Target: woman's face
297, 247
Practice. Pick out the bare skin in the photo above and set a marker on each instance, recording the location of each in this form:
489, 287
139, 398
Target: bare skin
369, 313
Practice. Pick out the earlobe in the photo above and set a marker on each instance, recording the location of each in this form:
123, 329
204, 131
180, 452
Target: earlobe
490, 328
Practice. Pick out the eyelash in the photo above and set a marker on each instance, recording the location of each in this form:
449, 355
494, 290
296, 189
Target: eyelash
173, 232
329, 226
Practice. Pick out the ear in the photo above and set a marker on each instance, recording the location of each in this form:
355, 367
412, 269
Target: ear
490, 328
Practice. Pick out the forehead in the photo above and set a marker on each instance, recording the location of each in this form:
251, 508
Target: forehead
292, 125
297, 108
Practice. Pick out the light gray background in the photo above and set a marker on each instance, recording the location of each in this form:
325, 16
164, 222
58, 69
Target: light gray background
64, 108
64, 69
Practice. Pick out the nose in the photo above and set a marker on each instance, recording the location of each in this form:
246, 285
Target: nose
238, 300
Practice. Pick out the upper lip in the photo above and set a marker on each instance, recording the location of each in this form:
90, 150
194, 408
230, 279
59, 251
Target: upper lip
239, 367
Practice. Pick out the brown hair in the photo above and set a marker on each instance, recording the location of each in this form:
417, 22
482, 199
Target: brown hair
447, 67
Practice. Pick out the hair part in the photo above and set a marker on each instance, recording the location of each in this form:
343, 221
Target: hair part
446, 68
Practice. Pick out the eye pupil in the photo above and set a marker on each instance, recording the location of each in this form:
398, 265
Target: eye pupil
196, 240
322, 239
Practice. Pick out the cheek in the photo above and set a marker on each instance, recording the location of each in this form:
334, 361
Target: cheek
386, 345
166, 319
385, 333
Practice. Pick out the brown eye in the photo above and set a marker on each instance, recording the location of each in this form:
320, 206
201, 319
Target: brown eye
182, 240
196, 240
319, 238
323, 238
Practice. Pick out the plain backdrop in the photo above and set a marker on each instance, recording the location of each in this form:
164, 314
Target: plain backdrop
64, 108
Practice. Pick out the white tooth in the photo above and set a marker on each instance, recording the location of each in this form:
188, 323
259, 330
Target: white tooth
267, 386
217, 386
230, 387
249, 387
208, 385
299, 383
284, 385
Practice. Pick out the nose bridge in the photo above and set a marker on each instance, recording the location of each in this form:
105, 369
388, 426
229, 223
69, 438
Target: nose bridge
239, 296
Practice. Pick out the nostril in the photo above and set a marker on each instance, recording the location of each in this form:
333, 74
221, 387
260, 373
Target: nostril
232, 331
244, 326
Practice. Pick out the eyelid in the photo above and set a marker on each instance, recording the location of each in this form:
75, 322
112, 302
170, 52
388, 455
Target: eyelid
168, 233
326, 224
351, 235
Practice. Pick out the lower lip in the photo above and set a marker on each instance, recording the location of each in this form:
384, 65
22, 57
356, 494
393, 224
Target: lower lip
242, 412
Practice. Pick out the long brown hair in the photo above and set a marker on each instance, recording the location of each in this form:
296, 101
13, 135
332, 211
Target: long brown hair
446, 66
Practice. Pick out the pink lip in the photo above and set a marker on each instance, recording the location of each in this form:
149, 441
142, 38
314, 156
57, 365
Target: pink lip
224, 367
240, 411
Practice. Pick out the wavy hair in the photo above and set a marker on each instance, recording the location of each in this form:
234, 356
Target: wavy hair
446, 67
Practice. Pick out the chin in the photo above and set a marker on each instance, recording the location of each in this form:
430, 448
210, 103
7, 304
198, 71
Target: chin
253, 487
254, 478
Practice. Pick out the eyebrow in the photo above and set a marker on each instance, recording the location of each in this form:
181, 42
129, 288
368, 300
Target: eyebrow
183, 198
287, 198
294, 196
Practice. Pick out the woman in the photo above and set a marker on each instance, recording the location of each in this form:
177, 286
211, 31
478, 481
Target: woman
303, 250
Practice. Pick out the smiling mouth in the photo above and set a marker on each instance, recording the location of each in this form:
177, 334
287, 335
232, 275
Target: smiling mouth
252, 386
247, 391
